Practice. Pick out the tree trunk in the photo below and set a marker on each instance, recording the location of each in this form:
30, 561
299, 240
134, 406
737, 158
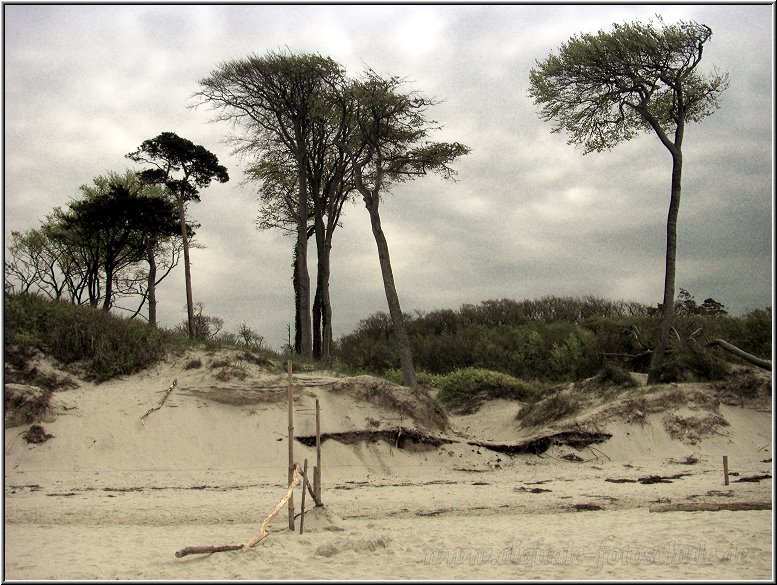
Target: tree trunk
748, 357
303, 277
654, 373
150, 245
297, 347
108, 287
405, 355
322, 309
317, 318
187, 269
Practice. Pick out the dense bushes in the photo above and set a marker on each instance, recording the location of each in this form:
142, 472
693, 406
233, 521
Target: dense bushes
106, 345
465, 389
554, 339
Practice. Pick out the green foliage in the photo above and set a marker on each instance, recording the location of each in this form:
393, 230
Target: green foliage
107, 346
690, 361
528, 340
616, 376
606, 88
465, 389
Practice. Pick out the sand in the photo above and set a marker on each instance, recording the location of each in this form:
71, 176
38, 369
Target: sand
111, 497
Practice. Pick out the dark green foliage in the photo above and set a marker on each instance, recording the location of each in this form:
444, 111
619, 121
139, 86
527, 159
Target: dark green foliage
105, 345
465, 389
613, 374
690, 361
528, 340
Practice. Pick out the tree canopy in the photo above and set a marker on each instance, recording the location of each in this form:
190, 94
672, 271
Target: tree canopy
605, 88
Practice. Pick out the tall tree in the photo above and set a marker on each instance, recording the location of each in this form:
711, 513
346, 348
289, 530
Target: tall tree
606, 88
330, 185
388, 145
274, 98
158, 221
184, 168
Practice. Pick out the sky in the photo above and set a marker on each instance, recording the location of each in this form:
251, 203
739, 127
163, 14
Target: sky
529, 215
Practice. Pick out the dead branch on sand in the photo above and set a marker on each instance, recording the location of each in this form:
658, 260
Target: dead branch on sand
261, 535
158, 406
710, 507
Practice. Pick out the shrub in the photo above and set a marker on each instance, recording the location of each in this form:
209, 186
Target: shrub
548, 410
615, 375
193, 364
105, 344
692, 362
464, 390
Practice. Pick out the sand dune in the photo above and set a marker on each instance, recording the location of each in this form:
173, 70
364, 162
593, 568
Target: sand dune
112, 496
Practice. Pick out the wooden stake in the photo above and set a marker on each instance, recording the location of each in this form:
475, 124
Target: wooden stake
725, 470
317, 468
291, 446
302, 505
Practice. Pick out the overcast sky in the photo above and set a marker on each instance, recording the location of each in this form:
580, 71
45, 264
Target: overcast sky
529, 215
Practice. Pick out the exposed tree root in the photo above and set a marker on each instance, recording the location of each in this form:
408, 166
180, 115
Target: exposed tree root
400, 436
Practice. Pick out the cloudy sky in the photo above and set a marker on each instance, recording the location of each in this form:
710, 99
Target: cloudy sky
529, 215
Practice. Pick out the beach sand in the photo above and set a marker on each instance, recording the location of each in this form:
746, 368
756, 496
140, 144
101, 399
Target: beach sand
112, 496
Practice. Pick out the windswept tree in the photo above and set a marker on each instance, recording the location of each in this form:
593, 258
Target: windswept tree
184, 168
389, 145
100, 229
33, 263
606, 88
274, 99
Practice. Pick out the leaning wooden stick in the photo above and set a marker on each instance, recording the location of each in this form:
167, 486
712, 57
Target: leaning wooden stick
302, 505
261, 535
296, 478
161, 403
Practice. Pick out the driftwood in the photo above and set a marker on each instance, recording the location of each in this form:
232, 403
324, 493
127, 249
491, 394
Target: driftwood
748, 357
261, 535
710, 507
161, 403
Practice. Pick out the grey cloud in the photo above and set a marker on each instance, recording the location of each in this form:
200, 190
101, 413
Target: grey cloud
529, 215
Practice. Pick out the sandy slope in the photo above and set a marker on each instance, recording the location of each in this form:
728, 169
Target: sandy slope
113, 497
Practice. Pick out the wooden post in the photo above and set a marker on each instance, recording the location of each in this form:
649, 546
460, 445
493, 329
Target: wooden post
725, 470
291, 446
317, 470
304, 489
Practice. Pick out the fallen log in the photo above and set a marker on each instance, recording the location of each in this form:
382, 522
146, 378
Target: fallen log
201, 550
710, 506
261, 535
748, 357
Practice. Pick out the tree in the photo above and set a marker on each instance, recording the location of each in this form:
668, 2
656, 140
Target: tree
274, 98
606, 88
206, 327
330, 185
157, 218
33, 262
184, 168
388, 145
101, 229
